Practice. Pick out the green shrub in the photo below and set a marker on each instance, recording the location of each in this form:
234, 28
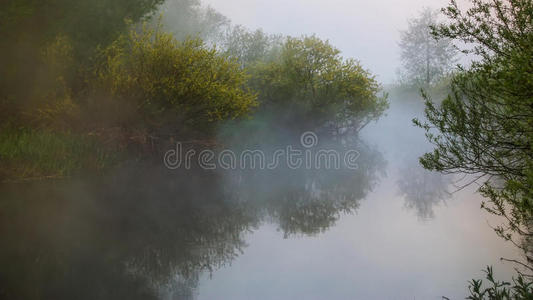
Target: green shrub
158, 82
312, 82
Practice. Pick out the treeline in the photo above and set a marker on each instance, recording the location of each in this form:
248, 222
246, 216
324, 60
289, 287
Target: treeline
82, 82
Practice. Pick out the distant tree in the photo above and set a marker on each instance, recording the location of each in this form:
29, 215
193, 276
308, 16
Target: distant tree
190, 19
313, 86
424, 59
249, 47
485, 127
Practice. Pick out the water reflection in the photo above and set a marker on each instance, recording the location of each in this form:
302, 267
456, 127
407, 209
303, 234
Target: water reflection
422, 189
123, 238
149, 233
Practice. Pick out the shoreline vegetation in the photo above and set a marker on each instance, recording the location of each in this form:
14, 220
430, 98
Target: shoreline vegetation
484, 127
87, 85
88, 105
29, 154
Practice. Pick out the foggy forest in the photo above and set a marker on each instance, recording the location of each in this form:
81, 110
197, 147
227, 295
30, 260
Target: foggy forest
243, 149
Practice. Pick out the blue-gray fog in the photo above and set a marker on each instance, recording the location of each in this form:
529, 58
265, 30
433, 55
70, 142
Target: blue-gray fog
238, 149
366, 30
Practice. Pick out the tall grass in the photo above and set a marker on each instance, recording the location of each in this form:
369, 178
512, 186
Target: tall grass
28, 153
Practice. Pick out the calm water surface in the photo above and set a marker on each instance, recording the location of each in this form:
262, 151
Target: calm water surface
388, 230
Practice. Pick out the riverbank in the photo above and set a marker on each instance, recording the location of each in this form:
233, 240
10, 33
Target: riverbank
32, 154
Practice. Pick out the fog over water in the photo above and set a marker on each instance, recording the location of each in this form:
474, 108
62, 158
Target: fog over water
388, 229
413, 236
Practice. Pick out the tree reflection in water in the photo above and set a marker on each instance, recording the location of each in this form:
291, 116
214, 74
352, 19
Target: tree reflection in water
149, 233
422, 190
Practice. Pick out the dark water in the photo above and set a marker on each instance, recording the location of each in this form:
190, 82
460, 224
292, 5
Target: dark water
386, 230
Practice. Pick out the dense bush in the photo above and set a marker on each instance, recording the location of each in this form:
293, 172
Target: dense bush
162, 83
312, 84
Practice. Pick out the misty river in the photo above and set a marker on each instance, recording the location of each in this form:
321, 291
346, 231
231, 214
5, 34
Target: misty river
386, 230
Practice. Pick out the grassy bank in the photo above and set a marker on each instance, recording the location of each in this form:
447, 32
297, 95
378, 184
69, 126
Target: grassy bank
34, 154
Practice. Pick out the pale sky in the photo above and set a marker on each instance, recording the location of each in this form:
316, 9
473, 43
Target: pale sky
364, 30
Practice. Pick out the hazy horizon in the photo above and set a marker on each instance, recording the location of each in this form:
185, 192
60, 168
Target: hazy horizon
372, 28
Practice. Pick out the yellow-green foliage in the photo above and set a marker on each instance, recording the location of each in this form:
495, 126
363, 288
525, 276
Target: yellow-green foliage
166, 82
311, 79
